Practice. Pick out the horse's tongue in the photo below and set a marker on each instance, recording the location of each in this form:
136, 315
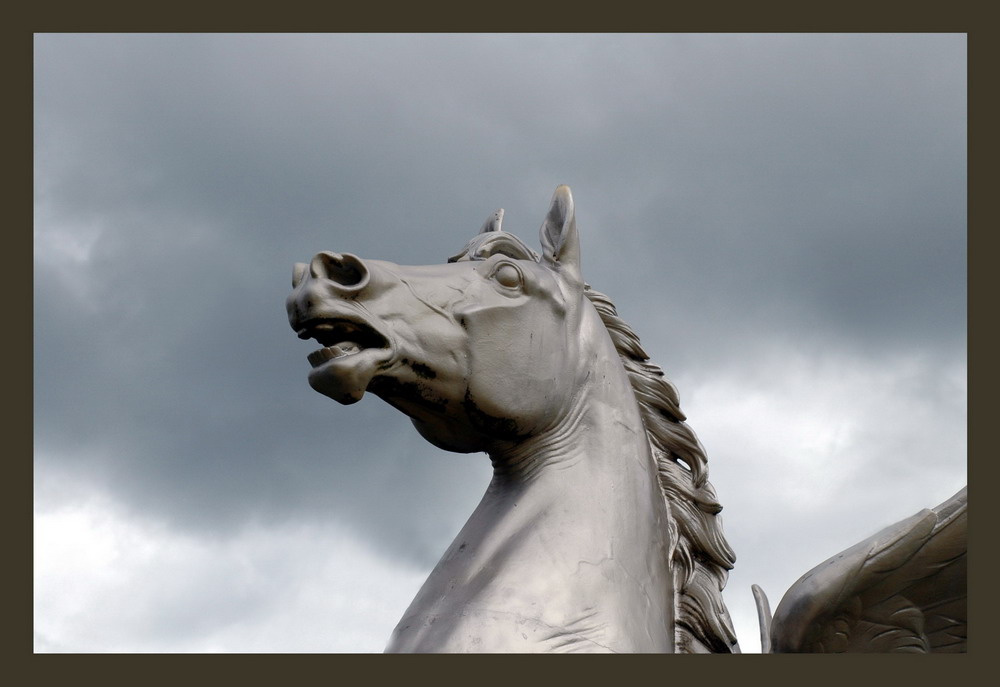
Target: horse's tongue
330, 352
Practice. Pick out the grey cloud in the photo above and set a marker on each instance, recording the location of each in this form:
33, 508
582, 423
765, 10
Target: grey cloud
732, 191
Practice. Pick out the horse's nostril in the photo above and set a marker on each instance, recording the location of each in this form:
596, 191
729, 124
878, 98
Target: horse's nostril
345, 270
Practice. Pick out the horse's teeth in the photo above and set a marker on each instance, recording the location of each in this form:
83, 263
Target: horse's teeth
344, 348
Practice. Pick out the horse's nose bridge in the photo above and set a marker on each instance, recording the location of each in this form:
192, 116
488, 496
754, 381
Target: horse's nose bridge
342, 273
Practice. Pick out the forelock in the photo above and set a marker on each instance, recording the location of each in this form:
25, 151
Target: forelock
492, 243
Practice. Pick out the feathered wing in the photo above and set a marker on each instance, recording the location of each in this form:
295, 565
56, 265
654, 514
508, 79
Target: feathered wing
902, 590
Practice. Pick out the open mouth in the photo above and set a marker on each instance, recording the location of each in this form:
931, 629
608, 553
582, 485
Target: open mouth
352, 354
340, 338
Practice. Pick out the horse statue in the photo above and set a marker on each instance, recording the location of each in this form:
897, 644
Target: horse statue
599, 531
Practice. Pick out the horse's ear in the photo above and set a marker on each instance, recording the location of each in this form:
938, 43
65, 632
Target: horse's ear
492, 222
560, 241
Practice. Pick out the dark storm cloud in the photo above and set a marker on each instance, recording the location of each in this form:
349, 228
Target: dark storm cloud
730, 190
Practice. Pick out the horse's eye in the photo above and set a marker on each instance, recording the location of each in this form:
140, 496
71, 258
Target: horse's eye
508, 275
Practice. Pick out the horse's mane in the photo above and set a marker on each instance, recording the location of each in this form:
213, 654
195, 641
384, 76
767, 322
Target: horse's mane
700, 557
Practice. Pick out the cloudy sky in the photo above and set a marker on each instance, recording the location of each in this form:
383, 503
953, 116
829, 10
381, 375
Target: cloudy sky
782, 219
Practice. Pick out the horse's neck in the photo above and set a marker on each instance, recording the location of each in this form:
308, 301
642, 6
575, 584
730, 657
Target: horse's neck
566, 551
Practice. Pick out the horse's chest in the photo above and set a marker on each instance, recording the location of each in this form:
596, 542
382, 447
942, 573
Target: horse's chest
488, 630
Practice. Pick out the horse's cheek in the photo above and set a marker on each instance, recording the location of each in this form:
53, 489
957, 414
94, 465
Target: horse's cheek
511, 384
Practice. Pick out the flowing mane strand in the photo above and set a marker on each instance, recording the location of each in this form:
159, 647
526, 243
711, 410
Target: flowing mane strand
700, 556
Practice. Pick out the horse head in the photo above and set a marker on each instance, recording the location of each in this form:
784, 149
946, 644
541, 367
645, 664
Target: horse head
478, 352
505, 351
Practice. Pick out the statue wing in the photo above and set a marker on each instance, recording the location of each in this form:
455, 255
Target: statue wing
902, 590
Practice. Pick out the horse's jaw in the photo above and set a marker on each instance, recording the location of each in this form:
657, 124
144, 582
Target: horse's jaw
445, 420
344, 377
